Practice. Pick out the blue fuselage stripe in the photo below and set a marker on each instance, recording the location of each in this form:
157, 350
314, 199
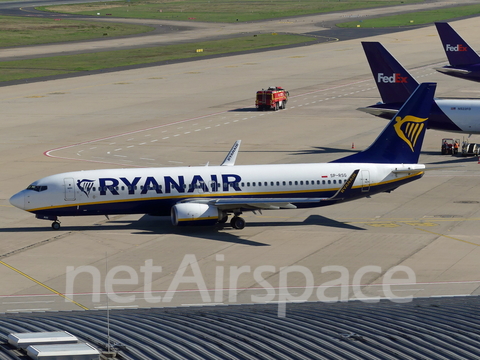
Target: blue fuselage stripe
161, 206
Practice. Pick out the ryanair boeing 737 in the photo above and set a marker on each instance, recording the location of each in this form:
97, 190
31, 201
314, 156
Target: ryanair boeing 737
204, 195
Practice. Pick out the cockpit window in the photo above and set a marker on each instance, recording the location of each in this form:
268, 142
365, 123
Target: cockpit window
37, 188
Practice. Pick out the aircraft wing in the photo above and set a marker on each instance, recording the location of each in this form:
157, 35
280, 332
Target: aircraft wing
266, 203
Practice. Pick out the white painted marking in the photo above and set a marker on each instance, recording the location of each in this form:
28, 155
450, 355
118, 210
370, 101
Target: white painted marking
20, 310
116, 306
27, 302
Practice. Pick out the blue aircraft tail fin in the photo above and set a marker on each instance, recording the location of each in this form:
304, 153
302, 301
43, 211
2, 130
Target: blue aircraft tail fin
401, 140
394, 82
457, 50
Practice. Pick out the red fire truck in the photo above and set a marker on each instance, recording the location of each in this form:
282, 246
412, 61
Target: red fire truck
273, 98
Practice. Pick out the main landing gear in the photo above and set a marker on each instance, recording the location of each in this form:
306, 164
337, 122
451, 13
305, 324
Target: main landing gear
237, 222
56, 225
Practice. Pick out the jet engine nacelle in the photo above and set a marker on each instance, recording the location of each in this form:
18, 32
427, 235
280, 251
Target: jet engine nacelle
194, 214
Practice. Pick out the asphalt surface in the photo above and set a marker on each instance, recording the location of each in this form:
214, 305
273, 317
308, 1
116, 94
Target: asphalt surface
190, 113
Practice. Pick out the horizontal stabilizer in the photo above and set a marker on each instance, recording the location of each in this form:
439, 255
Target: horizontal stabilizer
452, 71
384, 113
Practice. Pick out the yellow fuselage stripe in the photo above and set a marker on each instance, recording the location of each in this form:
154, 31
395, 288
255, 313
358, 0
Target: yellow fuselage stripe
207, 195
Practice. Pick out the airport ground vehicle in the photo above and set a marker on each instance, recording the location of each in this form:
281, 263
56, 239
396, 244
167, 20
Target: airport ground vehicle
273, 98
449, 147
470, 149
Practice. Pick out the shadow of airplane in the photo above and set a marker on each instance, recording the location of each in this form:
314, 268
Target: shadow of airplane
324, 150
456, 160
153, 225
311, 220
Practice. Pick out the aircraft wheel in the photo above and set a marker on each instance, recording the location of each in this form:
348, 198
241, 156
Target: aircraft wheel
237, 222
223, 220
55, 225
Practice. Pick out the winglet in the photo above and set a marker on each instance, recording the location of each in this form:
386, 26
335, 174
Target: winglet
344, 191
232, 154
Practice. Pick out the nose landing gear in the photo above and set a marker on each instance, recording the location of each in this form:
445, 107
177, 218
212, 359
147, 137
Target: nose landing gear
56, 225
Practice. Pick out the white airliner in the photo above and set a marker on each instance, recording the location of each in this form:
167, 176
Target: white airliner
204, 195
396, 84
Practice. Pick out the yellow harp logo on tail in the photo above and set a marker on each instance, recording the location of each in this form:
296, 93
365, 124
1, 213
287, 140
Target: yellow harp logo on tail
409, 128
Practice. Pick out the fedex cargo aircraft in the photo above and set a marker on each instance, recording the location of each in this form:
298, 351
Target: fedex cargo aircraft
396, 84
205, 195
464, 61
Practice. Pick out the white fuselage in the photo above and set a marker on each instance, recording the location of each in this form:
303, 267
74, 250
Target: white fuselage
156, 190
465, 113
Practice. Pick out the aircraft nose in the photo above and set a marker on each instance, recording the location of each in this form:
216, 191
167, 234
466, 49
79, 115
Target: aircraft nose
18, 200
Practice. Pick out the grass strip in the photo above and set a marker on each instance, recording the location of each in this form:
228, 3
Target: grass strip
22, 31
416, 18
218, 10
68, 64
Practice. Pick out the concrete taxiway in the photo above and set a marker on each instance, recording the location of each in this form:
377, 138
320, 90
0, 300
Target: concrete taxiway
191, 114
